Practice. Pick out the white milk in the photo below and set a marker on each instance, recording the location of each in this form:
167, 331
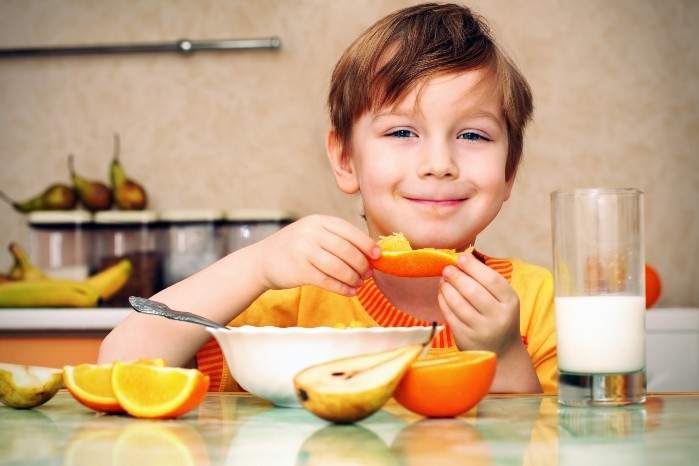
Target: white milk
601, 334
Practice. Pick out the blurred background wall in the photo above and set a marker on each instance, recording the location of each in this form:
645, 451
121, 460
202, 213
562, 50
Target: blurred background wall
616, 85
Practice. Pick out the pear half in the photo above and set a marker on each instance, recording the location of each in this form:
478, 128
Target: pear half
28, 386
350, 389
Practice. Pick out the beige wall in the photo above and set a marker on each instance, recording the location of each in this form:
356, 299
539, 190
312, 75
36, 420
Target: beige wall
616, 84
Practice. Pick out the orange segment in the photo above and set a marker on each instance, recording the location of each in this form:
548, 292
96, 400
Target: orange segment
91, 385
398, 258
447, 385
158, 392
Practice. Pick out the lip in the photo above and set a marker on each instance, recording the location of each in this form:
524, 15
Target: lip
436, 202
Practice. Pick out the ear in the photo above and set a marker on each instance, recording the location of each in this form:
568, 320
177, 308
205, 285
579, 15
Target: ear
343, 167
508, 186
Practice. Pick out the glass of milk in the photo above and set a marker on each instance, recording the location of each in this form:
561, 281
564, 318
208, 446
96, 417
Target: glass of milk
599, 271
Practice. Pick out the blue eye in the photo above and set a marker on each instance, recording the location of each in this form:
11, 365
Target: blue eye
472, 136
402, 133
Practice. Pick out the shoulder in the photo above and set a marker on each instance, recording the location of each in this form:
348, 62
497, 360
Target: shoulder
518, 271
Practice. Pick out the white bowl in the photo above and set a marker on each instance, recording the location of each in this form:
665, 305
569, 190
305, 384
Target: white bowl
265, 360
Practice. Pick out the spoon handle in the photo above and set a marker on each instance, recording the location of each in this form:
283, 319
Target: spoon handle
147, 306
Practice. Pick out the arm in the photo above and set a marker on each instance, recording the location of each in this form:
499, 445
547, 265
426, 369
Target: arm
483, 311
317, 250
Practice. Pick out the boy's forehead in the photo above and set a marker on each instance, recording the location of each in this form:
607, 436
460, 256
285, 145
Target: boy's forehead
480, 88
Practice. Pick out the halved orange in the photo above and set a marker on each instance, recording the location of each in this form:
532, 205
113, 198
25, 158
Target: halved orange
447, 385
158, 392
398, 258
91, 385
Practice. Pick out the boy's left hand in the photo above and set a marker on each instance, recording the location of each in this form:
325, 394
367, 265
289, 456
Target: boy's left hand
480, 306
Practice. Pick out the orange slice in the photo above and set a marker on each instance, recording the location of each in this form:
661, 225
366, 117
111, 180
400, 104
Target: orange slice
447, 385
158, 392
398, 258
91, 385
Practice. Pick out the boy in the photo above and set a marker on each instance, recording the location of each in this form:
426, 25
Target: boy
427, 121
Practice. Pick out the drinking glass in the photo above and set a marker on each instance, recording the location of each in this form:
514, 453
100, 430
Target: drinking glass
599, 272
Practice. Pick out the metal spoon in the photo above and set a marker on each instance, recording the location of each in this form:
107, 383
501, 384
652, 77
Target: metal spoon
148, 306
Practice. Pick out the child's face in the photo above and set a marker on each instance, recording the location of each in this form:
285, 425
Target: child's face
432, 168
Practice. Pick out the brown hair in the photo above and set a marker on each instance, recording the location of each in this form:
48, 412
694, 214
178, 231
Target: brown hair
408, 47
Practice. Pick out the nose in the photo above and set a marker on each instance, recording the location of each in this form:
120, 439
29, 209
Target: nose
438, 161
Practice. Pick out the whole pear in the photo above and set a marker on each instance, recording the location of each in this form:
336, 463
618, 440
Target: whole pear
127, 193
94, 195
28, 386
57, 196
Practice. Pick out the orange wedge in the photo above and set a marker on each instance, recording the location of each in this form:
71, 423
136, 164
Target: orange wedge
447, 385
91, 385
158, 392
398, 258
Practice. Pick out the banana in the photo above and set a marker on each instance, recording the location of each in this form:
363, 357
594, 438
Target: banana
110, 280
48, 293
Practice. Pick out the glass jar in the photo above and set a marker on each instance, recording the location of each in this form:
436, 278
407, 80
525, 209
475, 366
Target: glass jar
133, 235
195, 239
245, 227
60, 243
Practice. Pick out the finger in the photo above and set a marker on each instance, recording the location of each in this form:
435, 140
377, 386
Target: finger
354, 235
330, 265
347, 252
486, 277
453, 302
459, 322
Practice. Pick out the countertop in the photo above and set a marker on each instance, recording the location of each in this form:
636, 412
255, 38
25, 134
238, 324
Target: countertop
48, 319
233, 428
61, 320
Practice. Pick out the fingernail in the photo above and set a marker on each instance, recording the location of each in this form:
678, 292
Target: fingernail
376, 253
448, 271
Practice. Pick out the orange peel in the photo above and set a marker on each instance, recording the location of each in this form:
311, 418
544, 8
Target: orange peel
400, 259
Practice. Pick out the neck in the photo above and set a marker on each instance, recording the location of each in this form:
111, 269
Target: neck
414, 296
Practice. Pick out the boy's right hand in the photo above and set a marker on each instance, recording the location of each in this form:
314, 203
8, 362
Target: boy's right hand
319, 250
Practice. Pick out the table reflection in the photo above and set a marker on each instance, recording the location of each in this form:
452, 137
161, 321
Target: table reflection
241, 429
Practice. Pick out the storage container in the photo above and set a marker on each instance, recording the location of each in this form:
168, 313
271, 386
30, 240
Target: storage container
195, 239
245, 227
134, 235
60, 243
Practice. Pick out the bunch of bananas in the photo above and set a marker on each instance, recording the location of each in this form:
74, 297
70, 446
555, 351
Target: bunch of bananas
26, 285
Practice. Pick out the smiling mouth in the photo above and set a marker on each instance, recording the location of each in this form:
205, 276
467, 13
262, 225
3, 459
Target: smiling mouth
436, 202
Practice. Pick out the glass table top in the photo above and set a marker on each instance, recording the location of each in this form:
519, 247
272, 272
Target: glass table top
241, 429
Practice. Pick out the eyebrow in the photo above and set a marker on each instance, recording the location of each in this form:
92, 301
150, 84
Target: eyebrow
467, 114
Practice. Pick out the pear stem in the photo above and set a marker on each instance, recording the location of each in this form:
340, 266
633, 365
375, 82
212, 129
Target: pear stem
71, 165
115, 155
6, 198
